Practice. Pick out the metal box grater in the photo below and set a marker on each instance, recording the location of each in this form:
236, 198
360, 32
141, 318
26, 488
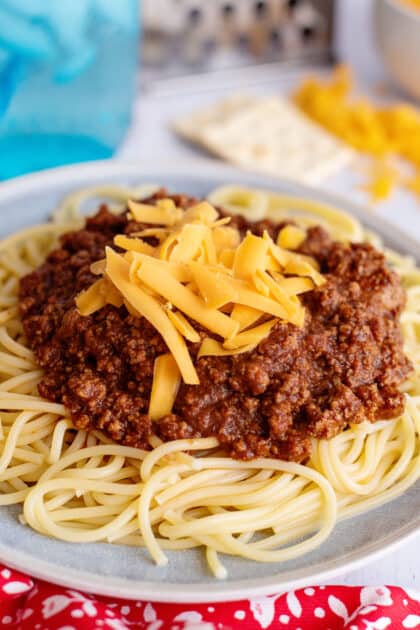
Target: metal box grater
192, 36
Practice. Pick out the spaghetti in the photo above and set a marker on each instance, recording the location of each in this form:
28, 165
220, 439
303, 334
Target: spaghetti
81, 487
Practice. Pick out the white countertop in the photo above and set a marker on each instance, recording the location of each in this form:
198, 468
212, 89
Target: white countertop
151, 139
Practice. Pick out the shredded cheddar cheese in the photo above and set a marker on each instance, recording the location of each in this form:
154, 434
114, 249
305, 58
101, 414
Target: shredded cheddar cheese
245, 315
202, 272
250, 256
163, 213
413, 3
291, 237
212, 348
147, 306
166, 381
213, 285
382, 179
384, 133
252, 336
183, 326
92, 299
133, 244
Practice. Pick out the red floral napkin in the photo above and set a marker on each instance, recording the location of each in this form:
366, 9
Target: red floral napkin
28, 604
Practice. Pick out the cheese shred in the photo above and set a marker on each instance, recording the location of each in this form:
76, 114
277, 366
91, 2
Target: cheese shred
200, 277
387, 134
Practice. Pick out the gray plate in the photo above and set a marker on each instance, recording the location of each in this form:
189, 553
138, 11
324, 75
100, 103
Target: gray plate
129, 572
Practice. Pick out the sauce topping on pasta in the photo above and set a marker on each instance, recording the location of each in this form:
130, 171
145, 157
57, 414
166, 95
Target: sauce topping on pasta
263, 383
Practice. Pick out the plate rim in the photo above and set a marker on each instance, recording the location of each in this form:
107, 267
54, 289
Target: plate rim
214, 591
197, 169
208, 592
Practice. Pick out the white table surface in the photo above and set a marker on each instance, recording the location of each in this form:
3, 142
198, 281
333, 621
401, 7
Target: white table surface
150, 139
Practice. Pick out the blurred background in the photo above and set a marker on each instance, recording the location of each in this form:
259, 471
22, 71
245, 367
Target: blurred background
225, 80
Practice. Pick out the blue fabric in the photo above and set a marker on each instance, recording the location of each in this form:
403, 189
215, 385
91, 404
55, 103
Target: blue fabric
67, 67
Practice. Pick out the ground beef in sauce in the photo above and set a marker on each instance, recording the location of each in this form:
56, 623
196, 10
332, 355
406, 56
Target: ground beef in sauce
345, 365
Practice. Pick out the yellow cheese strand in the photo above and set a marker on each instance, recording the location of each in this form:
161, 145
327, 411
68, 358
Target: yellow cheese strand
133, 244
188, 244
253, 336
117, 270
202, 212
250, 256
166, 381
163, 213
213, 287
293, 286
291, 237
91, 300
183, 325
212, 348
180, 271
174, 292
225, 238
302, 268
245, 315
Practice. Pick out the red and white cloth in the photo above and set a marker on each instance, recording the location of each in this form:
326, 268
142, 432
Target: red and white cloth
28, 604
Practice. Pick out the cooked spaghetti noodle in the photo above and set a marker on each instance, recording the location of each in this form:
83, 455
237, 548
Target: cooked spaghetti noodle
80, 487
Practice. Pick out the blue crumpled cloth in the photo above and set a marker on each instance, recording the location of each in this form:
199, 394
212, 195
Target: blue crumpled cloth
53, 32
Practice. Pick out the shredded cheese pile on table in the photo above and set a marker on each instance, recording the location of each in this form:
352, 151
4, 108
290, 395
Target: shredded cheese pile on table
413, 3
381, 132
236, 289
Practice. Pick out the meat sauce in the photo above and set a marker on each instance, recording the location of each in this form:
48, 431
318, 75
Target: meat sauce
343, 366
